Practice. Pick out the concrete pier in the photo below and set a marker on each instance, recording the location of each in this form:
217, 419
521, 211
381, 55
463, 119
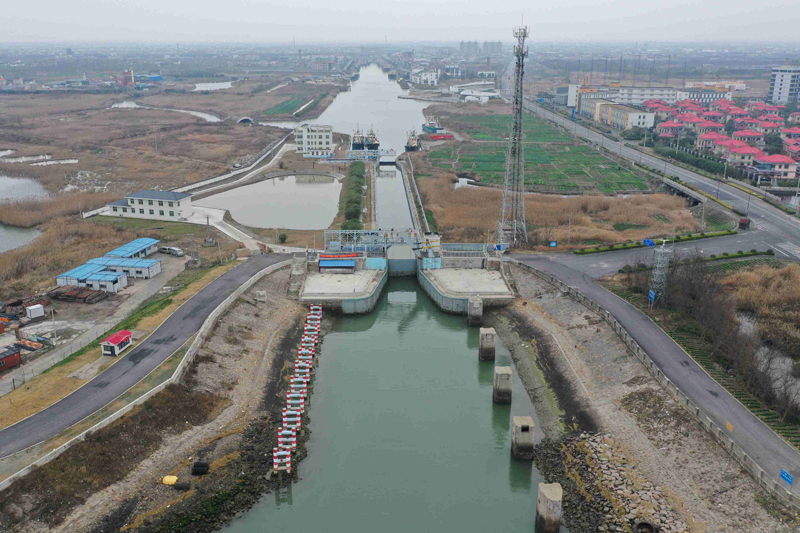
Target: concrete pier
548, 508
475, 311
522, 438
486, 344
501, 386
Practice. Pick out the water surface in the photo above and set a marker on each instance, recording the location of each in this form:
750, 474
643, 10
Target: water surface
213, 86
404, 434
130, 104
292, 202
18, 189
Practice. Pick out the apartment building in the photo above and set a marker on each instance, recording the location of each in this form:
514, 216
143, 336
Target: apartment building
702, 96
639, 95
314, 140
625, 117
784, 86
425, 77
772, 168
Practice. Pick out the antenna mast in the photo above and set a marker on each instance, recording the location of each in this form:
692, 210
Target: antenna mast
511, 224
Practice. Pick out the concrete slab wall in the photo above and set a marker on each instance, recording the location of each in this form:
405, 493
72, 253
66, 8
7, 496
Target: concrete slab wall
376, 263
365, 305
402, 260
462, 262
447, 304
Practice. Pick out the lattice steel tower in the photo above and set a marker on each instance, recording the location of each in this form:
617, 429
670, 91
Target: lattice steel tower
658, 279
511, 224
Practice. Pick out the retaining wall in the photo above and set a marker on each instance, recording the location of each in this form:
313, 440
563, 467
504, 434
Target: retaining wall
447, 304
747, 462
177, 375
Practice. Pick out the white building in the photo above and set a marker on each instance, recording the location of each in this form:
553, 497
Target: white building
153, 205
784, 86
626, 117
454, 71
487, 74
425, 77
704, 96
314, 140
639, 95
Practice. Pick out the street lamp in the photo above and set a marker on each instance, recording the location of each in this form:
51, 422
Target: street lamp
724, 174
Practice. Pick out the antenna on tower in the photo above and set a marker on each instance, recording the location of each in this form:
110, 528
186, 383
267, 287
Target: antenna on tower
511, 223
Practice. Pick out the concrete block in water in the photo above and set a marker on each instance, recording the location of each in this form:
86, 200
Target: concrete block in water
475, 311
486, 344
501, 386
522, 437
548, 508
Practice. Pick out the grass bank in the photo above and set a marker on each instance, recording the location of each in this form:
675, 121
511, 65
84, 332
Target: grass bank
629, 245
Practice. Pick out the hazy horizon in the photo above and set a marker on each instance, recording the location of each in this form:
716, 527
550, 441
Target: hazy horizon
245, 21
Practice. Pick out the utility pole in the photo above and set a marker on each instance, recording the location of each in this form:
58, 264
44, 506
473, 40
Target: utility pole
724, 174
55, 330
569, 231
666, 78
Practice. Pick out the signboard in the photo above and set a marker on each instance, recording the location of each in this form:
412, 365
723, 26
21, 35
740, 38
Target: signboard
786, 476
648, 242
553, 244
652, 295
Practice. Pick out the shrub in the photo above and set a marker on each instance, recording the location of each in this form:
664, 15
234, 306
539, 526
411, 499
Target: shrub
282, 238
725, 254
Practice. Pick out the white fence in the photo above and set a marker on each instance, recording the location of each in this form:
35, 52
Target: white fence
177, 375
747, 462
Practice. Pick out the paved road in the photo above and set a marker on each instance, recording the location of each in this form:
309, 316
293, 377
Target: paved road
757, 440
135, 365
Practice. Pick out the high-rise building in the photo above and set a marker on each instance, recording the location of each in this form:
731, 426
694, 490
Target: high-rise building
785, 84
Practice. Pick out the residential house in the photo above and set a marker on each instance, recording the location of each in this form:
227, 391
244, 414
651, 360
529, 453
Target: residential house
773, 168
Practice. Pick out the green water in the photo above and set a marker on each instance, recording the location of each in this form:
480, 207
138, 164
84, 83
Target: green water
404, 433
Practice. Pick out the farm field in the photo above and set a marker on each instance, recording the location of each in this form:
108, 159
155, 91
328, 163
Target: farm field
568, 168
285, 107
497, 128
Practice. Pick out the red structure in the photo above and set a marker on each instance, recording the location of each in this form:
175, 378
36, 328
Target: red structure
116, 343
9, 358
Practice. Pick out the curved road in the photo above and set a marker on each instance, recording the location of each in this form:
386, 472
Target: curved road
131, 368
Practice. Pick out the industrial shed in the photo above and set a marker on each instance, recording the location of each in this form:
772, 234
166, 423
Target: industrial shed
133, 268
135, 249
95, 277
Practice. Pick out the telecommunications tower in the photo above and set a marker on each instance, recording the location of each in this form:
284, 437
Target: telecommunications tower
511, 224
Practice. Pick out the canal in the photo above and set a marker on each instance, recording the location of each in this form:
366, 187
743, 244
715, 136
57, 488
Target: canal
404, 434
373, 103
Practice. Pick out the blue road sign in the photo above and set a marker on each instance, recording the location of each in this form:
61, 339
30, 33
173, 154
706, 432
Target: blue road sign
553, 244
652, 295
787, 477
541, 99
648, 242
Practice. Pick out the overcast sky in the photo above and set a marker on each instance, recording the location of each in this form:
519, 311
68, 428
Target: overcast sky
397, 20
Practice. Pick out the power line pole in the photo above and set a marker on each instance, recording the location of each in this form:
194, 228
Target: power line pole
666, 79
511, 223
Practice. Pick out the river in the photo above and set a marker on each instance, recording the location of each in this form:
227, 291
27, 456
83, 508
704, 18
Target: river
17, 189
373, 102
404, 434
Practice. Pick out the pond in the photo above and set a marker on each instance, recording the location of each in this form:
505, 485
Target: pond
404, 434
291, 202
213, 86
17, 189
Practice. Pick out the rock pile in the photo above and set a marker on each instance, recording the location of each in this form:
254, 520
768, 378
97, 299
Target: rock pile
603, 491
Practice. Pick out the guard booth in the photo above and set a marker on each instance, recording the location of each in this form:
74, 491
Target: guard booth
116, 343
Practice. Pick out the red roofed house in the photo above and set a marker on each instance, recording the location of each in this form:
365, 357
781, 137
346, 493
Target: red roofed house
735, 112
791, 133
707, 126
714, 116
792, 148
743, 156
746, 123
774, 168
772, 117
753, 138
768, 127
794, 118
718, 105
706, 141
669, 127
721, 147
116, 343
689, 120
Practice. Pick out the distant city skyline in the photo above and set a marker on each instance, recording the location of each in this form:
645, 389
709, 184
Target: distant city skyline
398, 21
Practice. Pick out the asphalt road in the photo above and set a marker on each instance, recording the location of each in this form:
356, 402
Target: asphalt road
756, 439
135, 365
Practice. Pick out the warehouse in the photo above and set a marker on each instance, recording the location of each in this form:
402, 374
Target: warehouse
133, 268
135, 249
95, 277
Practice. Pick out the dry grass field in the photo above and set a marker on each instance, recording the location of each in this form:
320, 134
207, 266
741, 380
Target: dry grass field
468, 214
773, 295
251, 98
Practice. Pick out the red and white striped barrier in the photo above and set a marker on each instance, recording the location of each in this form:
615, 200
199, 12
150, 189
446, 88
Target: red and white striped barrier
287, 438
299, 405
281, 460
296, 395
292, 421
306, 358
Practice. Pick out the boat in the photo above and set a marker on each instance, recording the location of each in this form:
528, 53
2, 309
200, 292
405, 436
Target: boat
413, 144
371, 141
432, 126
358, 140
393, 75
355, 77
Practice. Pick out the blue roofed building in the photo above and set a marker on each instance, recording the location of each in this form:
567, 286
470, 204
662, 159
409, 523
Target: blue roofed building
94, 277
136, 249
153, 205
133, 268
